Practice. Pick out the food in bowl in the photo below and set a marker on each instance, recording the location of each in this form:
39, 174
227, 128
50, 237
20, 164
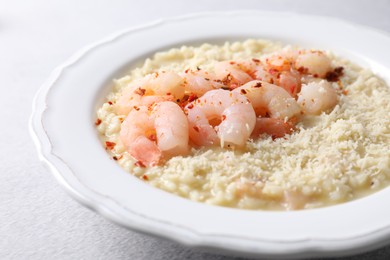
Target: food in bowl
251, 125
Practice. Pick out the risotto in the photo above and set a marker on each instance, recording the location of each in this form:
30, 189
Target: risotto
328, 156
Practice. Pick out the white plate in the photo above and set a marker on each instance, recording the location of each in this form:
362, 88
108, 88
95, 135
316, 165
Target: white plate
62, 125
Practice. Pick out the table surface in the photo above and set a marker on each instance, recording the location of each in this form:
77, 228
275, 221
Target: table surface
38, 219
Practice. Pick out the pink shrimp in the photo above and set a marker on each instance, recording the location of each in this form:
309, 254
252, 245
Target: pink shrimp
290, 81
316, 97
199, 82
278, 62
131, 98
153, 88
152, 134
232, 74
220, 116
313, 62
138, 135
269, 99
272, 126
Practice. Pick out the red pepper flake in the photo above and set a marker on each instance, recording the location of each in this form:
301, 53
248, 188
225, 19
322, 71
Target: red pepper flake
225, 88
315, 75
334, 75
110, 103
136, 108
140, 164
256, 60
345, 92
258, 85
190, 106
227, 79
232, 63
98, 121
145, 177
197, 67
185, 98
110, 145
302, 70
196, 128
223, 117
243, 91
153, 137
207, 79
115, 158
192, 97
186, 71
140, 91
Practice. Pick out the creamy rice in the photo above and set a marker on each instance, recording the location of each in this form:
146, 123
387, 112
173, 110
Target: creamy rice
331, 158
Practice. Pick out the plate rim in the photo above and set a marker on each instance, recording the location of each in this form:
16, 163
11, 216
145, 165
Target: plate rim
190, 238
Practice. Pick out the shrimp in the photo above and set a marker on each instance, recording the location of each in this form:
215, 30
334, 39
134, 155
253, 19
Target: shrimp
151, 89
313, 62
278, 62
138, 134
131, 98
165, 83
199, 82
201, 132
220, 116
269, 99
171, 127
151, 134
261, 73
290, 81
272, 126
231, 73
278, 69
316, 97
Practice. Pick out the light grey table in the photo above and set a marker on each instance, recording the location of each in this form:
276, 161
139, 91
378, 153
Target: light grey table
37, 219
